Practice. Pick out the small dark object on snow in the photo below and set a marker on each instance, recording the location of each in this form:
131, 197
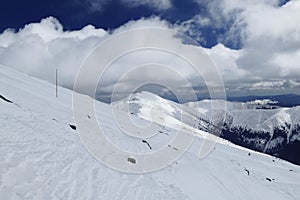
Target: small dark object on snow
89, 116
268, 179
173, 148
144, 141
72, 126
5, 99
163, 132
132, 160
247, 171
249, 154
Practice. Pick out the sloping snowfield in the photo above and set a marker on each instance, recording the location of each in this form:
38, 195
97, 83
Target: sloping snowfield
42, 157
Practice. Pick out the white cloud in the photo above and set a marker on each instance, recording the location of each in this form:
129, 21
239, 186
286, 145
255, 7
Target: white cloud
268, 85
160, 5
48, 30
39, 48
144, 22
270, 34
225, 59
192, 27
155, 4
278, 85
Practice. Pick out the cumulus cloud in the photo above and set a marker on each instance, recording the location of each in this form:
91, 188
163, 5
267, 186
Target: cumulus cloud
273, 40
48, 29
225, 59
269, 33
39, 48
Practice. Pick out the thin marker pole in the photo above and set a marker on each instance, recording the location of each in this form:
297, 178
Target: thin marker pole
56, 83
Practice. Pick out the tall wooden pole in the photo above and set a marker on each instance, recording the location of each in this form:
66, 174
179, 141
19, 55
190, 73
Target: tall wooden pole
56, 83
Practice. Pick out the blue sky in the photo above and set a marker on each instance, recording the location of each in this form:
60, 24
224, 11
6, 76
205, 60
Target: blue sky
254, 43
75, 14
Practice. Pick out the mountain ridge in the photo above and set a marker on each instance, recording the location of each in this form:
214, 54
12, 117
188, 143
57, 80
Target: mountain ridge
271, 131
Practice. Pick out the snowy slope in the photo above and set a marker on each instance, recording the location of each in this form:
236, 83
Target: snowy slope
43, 158
154, 108
255, 125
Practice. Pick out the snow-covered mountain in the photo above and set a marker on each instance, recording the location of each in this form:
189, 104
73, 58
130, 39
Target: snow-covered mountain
255, 125
265, 129
42, 156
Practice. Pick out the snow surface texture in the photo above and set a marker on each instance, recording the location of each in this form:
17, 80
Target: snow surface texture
42, 156
259, 126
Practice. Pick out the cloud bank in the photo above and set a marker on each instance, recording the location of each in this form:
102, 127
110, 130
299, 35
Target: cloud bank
268, 60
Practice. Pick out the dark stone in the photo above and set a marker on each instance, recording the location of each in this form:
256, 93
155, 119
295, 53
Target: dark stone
131, 160
72, 126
